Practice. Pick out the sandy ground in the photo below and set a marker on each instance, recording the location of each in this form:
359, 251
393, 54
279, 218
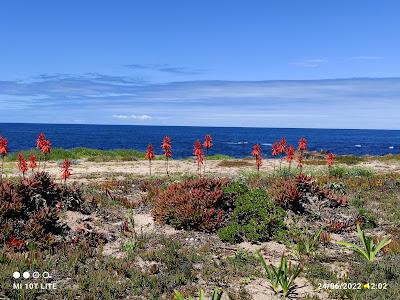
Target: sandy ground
84, 170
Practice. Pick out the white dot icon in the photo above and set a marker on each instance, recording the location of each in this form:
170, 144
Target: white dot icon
26, 275
16, 275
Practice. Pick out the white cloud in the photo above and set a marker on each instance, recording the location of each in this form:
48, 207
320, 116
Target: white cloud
120, 116
141, 117
137, 117
310, 63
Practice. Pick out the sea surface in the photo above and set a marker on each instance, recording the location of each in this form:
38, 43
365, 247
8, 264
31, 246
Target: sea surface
233, 141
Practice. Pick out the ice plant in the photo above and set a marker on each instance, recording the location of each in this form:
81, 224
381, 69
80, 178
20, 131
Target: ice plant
32, 162
167, 148
66, 170
198, 151
275, 151
13, 242
150, 155
290, 155
3, 152
21, 163
258, 156
207, 144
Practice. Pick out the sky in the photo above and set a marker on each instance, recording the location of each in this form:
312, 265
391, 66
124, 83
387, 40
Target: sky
313, 64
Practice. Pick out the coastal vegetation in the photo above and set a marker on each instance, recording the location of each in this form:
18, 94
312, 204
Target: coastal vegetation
281, 229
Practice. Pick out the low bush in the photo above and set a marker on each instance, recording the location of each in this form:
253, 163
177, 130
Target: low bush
292, 193
286, 194
341, 172
194, 204
254, 218
30, 208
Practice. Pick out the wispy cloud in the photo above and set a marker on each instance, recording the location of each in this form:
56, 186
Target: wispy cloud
165, 68
98, 98
135, 117
309, 63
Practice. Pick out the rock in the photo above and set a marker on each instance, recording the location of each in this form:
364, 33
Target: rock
153, 268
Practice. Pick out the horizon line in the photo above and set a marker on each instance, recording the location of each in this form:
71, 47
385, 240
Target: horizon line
211, 126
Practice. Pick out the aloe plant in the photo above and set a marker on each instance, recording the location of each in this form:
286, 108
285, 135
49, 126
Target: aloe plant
308, 244
281, 278
216, 295
369, 249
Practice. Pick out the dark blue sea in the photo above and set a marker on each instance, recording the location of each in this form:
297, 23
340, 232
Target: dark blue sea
232, 141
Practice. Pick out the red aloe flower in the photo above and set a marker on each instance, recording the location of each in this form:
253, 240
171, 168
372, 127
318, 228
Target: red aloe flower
290, 155
3, 146
198, 151
208, 142
330, 159
303, 144
302, 147
22, 165
150, 155
32, 162
282, 145
275, 151
167, 148
3, 152
66, 170
258, 156
46, 147
281, 150
39, 141
207, 145
13, 242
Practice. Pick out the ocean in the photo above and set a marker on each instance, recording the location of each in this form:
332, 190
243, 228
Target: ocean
233, 141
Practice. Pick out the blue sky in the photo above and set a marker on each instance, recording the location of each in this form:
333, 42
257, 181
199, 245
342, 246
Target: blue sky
326, 64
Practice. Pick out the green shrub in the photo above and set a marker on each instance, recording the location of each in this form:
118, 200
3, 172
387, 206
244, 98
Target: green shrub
338, 172
349, 159
341, 172
255, 218
362, 172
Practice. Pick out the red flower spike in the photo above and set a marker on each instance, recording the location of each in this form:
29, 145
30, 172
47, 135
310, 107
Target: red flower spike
46, 146
330, 159
303, 144
166, 146
22, 165
39, 141
258, 156
198, 151
150, 153
290, 153
275, 149
32, 162
3, 146
208, 142
66, 170
282, 145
